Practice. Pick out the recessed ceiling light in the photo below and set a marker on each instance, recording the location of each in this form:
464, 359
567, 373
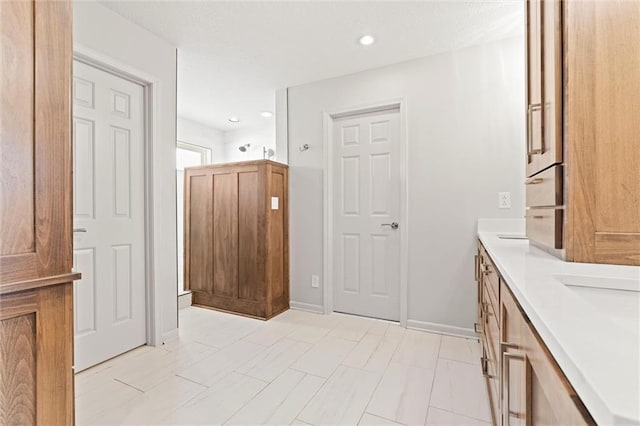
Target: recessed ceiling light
366, 40
234, 119
266, 114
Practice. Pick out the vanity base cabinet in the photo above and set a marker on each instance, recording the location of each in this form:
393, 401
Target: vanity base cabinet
236, 237
487, 327
525, 384
551, 400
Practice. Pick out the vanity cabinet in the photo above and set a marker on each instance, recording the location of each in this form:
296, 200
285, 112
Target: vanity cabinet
487, 326
36, 254
236, 237
524, 382
582, 96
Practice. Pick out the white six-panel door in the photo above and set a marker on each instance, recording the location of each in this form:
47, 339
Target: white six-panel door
366, 202
108, 186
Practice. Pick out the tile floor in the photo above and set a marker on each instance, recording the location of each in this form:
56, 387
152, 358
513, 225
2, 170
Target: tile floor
298, 368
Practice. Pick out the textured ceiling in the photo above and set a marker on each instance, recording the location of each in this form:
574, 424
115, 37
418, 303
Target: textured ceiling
232, 55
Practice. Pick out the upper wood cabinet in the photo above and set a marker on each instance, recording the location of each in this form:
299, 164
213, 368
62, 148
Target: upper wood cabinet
236, 237
602, 131
583, 98
543, 84
36, 293
35, 133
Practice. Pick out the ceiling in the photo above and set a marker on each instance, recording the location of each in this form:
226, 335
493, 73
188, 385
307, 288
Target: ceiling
233, 55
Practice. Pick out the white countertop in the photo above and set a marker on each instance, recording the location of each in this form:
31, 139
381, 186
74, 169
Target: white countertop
596, 346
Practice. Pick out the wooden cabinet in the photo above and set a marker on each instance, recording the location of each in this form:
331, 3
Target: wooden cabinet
525, 384
513, 384
534, 388
533, 83
602, 131
236, 237
583, 94
544, 121
551, 400
36, 293
543, 84
488, 327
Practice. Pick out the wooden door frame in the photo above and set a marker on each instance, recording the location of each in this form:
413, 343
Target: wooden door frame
151, 126
327, 125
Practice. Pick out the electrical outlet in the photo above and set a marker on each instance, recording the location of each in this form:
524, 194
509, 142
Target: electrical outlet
504, 200
315, 281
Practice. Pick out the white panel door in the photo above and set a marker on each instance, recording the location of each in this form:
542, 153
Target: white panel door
108, 219
366, 200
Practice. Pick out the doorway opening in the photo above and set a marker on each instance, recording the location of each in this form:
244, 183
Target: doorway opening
187, 155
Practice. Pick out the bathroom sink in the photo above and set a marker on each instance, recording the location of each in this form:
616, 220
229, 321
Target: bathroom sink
512, 236
616, 298
604, 283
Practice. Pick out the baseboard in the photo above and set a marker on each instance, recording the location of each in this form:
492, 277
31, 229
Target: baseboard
184, 300
306, 307
449, 330
170, 335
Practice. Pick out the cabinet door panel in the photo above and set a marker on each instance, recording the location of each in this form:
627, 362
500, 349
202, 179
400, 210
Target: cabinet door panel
513, 361
17, 129
36, 354
551, 84
35, 141
250, 275
551, 399
199, 229
225, 234
544, 84
18, 366
602, 128
533, 81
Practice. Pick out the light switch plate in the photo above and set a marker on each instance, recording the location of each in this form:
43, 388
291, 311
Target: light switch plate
504, 200
274, 203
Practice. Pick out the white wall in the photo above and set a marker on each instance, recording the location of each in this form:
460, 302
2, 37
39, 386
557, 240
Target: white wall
258, 137
201, 135
466, 143
103, 34
282, 148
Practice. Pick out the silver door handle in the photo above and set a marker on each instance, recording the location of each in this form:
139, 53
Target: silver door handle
393, 225
79, 229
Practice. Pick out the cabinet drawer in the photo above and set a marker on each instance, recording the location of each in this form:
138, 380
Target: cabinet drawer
491, 329
490, 303
545, 188
489, 275
552, 399
544, 226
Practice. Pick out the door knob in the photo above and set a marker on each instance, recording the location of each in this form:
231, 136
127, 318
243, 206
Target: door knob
393, 225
